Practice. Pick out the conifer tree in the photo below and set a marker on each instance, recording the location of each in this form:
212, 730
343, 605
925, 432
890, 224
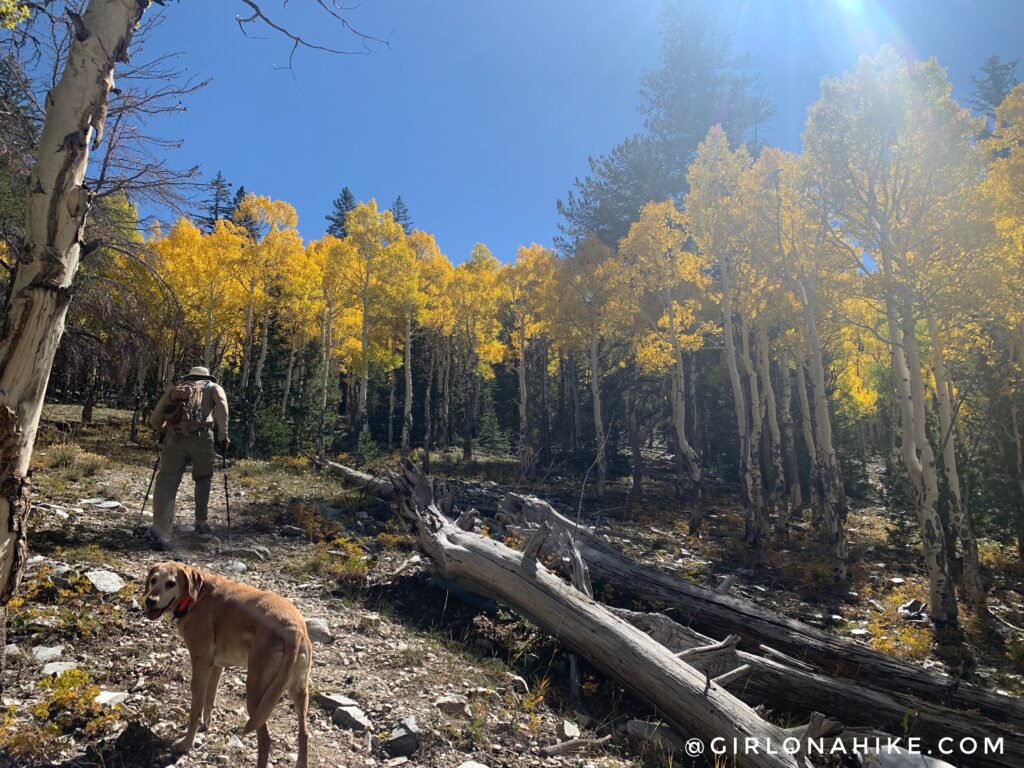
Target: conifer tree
989, 90
220, 205
343, 203
401, 213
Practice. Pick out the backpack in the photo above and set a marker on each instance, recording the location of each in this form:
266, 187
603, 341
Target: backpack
186, 407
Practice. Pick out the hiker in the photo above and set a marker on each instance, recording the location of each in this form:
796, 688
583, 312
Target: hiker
191, 416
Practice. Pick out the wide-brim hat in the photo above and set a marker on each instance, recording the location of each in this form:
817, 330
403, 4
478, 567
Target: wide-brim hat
199, 372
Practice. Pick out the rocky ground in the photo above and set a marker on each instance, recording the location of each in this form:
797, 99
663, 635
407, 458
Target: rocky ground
404, 673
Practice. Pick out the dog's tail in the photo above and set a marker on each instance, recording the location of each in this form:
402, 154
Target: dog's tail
273, 693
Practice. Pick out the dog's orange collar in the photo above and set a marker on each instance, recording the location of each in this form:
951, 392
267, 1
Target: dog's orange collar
182, 608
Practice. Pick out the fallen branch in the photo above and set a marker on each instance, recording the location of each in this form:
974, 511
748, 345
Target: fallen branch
638, 662
572, 746
710, 611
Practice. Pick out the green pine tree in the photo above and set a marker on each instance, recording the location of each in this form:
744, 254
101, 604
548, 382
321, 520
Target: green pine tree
343, 203
401, 213
220, 205
989, 90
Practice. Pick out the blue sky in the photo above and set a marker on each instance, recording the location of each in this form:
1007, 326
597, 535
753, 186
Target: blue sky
482, 112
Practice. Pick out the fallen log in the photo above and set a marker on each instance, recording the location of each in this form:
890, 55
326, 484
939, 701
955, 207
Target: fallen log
724, 614
378, 486
719, 613
765, 680
639, 663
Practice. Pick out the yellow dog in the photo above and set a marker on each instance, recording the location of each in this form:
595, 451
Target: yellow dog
226, 624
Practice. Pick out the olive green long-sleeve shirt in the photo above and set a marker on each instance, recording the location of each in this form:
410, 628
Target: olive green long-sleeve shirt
215, 409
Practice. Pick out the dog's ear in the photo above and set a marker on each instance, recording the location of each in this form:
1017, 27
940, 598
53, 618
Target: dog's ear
193, 581
145, 584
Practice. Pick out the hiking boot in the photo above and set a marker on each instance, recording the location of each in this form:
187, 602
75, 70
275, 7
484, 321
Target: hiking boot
158, 542
203, 528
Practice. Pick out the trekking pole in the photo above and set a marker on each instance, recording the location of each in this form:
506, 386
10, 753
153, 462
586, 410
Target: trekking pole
227, 500
156, 464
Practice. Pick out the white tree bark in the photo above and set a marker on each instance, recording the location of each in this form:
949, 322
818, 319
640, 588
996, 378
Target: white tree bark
807, 429
790, 462
56, 211
758, 524
960, 524
407, 401
599, 436
777, 482
687, 463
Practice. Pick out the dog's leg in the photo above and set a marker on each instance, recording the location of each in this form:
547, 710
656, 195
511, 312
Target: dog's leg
201, 669
262, 746
300, 698
211, 695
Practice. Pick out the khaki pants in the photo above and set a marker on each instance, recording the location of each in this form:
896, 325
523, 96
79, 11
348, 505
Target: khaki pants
178, 452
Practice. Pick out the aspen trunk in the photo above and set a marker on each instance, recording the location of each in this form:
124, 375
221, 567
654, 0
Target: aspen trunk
362, 393
918, 458
326, 344
253, 422
427, 422
960, 524
807, 429
688, 469
1018, 445
543, 352
90, 387
56, 211
526, 457
444, 371
599, 437
288, 377
392, 403
748, 488
247, 346
576, 433
758, 524
790, 462
140, 397
407, 400
776, 485
208, 341
469, 404
633, 421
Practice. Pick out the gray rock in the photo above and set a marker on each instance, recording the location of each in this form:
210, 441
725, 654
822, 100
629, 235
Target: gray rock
255, 552
62, 575
404, 739
454, 705
235, 743
472, 764
110, 505
44, 653
319, 631
105, 581
12, 651
912, 610
568, 730
352, 718
58, 668
860, 632
110, 698
236, 567
331, 701
369, 621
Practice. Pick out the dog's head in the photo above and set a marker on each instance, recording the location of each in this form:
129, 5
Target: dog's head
167, 585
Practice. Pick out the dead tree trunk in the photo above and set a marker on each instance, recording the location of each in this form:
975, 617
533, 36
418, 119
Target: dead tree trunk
686, 698
723, 614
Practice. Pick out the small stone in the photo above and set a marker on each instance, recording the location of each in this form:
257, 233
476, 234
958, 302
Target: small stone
394, 762
109, 505
568, 730
185, 529
352, 718
319, 631
58, 668
519, 682
90, 502
369, 621
860, 632
44, 653
454, 705
12, 651
331, 701
236, 567
472, 764
110, 698
105, 581
404, 739
896, 581
62, 575
235, 743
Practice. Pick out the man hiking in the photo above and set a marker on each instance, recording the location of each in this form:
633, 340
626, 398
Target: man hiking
189, 416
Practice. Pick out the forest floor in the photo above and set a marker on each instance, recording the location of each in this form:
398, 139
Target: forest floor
399, 643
